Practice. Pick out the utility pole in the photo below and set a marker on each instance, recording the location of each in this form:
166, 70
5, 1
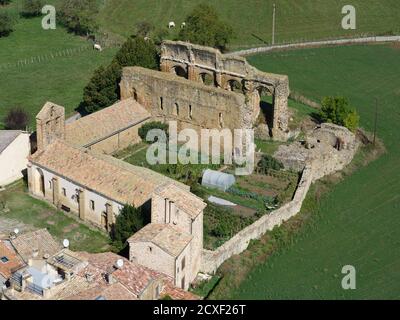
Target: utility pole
273, 24
376, 120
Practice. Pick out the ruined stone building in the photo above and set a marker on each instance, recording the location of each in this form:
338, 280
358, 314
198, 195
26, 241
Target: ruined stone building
199, 88
202, 88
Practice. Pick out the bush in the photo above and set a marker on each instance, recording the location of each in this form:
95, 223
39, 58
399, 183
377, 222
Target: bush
129, 221
78, 16
204, 27
4, 2
338, 111
268, 162
16, 119
32, 8
6, 24
144, 129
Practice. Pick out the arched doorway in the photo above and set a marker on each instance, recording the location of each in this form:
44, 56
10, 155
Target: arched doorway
180, 72
263, 103
235, 86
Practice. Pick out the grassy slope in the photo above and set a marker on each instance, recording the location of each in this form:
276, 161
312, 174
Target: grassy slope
60, 79
358, 221
300, 19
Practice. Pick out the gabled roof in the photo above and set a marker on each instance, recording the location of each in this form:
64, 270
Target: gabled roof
168, 238
185, 201
7, 137
50, 110
39, 241
105, 123
108, 176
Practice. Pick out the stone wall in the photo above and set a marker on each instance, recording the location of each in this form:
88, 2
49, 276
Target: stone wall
238, 243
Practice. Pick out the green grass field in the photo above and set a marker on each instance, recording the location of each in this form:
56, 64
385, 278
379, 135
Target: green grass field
252, 19
39, 65
357, 223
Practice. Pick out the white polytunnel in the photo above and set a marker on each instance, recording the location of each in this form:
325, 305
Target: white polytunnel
219, 180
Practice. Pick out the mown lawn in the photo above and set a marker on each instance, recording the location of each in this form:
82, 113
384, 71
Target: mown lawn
357, 223
39, 65
252, 19
37, 214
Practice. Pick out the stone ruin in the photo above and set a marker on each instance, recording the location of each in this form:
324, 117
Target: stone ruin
328, 148
202, 88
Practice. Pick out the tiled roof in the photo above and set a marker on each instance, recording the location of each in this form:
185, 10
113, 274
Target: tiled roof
106, 122
168, 238
40, 240
113, 178
133, 276
11, 259
187, 202
7, 137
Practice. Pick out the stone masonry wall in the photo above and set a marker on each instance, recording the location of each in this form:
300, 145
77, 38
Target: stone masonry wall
238, 243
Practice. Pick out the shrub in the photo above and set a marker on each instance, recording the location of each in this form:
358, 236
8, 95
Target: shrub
338, 111
78, 16
6, 24
129, 221
204, 27
144, 129
268, 162
4, 2
32, 8
16, 119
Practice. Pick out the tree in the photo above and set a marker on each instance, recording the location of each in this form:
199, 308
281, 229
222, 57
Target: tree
16, 119
204, 27
144, 129
137, 51
6, 24
103, 88
4, 2
78, 16
32, 8
129, 221
268, 162
338, 111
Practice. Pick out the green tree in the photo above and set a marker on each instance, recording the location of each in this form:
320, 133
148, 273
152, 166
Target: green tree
144, 129
78, 16
204, 27
129, 221
32, 8
6, 24
103, 88
4, 2
268, 162
337, 110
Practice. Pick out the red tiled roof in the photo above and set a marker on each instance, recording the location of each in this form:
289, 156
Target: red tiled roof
14, 261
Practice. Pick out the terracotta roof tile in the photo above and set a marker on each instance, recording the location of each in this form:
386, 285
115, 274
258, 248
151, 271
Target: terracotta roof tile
40, 240
103, 123
170, 239
113, 178
11, 262
187, 202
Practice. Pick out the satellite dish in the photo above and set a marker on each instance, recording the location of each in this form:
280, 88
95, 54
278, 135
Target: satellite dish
66, 243
16, 231
120, 263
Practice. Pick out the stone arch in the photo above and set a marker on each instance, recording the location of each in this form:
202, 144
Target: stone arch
39, 182
234, 85
207, 78
263, 107
180, 71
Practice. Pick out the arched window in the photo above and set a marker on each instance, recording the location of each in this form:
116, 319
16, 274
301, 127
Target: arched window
220, 120
180, 72
190, 112
161, 103
176, 109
